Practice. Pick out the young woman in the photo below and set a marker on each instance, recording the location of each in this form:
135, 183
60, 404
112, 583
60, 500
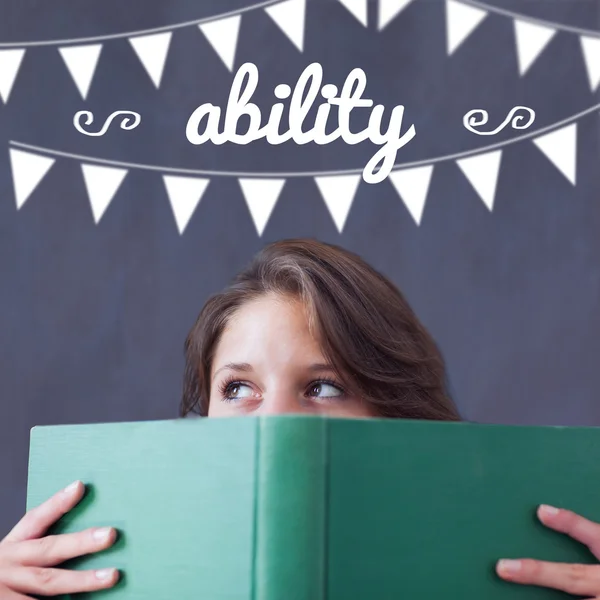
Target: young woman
306, 328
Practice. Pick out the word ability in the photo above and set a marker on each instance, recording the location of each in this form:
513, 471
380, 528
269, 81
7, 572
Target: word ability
301, 99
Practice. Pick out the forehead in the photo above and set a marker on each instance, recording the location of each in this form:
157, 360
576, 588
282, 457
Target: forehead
269, 312
268, 324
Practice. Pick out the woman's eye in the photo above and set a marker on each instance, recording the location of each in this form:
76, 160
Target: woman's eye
325, 390
236, 391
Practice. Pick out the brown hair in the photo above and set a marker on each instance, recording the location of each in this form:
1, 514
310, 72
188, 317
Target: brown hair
367, 330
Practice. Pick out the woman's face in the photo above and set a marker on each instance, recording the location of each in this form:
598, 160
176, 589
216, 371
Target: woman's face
267, 362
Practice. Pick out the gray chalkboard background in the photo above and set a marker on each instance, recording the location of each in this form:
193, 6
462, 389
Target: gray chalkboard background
93, 316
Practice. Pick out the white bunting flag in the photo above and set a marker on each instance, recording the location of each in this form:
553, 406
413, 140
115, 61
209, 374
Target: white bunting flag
338, 191
560, 147
461, 21
412, 186
591, 53
222, 36
27, 171
102, 184
152, 51
184, 195
482, 171
81, 62
290, 17
261, 195
10, 61
389, 10
359, 8
531, 39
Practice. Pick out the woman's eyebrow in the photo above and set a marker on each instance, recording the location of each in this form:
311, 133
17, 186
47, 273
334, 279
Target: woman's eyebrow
245, 367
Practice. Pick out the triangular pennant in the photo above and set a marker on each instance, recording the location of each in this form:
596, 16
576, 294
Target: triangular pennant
461, 21
10, 61
359, 8
482, 172
222, 36
290, 17
261, 195
81, 62
389, 10
184, 195
27, 171
531, 39
338, 191
412, 186
591, 53
560, 147
102, 184
152, 51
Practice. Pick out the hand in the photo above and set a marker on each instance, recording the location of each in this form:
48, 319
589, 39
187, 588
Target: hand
579, 580
27, 557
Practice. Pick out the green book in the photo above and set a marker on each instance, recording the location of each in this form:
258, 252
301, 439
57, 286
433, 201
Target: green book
311, 508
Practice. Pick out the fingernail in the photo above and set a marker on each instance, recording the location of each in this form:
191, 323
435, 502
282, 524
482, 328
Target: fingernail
101, 534
72, 487
548, 511
105, 574
509, 566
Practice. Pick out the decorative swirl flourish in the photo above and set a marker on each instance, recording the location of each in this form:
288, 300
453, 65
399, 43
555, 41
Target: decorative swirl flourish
470, 121
127, 122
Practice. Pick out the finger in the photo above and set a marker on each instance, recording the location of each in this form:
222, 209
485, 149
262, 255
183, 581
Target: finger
579, 528
7, 594
54, 582
54, 549
579, 580
36, 521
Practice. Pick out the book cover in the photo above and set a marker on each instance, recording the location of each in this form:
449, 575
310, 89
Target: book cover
310, 508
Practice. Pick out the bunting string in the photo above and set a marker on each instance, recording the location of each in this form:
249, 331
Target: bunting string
532, 35
521, 17
141, 32
81, 54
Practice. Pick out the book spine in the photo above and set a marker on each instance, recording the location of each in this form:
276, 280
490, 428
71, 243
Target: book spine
291, 503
